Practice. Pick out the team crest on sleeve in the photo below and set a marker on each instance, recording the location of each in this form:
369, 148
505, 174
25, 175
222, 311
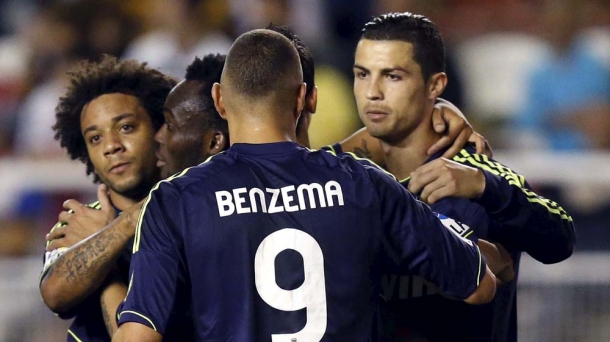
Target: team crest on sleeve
460, 229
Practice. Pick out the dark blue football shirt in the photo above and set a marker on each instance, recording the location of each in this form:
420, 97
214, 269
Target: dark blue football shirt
274, 242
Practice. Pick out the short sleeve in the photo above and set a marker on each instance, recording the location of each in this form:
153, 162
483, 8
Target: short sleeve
155, 265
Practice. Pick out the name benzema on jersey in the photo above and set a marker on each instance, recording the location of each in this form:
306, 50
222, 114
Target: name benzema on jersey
285, 199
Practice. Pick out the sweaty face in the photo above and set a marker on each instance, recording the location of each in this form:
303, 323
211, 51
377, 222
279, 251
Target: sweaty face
182, 138
119, 136
389, 88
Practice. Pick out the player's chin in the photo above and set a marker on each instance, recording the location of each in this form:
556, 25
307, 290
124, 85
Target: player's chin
164, 172
126, 184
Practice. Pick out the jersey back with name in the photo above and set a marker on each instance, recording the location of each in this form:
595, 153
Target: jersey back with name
273, 243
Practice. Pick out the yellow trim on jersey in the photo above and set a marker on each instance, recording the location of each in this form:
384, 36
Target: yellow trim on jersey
74, 336
332, 149
483, 162
480, 266
467, 235
139, 314
357, 157
136, 239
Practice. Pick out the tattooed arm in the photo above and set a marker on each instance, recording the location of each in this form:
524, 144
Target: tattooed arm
80, 271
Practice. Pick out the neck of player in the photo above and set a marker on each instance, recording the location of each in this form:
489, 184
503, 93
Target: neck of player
262, 127
123, 202
404, 156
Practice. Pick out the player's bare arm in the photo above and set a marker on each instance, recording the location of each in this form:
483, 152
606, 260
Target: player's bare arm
136, 332
80, 270
112, 294
498, 260
486, 290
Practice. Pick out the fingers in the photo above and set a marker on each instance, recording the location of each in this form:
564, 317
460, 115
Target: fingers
104, 198
481, 144
458, 143
55, 233
434, 191
438, 121
55, 244
73, 205
457, 128
64, 217
422, 176
442, 103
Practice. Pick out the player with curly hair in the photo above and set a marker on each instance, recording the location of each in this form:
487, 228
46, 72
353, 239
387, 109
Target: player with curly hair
107, 119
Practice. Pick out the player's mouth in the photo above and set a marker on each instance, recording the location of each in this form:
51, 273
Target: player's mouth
376, 114
119, 168
160, 161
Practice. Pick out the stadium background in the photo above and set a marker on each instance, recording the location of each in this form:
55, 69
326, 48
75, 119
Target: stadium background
495, 48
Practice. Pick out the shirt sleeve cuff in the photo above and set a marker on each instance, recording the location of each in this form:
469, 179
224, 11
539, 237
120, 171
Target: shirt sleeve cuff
133, 316
492, 198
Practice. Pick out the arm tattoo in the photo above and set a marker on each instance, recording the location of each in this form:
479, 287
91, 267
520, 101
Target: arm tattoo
85, 260
363, 150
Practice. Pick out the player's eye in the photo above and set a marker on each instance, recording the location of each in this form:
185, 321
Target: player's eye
127, 128
94, 139
360, 74
394, 77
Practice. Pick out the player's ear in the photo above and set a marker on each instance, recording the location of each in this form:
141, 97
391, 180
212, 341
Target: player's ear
300, 103
311, 101
218, 143
436, 85
218, 100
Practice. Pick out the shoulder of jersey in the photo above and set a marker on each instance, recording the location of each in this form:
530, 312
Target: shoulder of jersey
210, 167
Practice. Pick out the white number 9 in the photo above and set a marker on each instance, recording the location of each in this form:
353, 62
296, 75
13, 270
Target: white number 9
311, 294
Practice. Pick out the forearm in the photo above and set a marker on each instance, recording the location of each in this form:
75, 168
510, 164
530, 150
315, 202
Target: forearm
111, 296
499, 261
79, 271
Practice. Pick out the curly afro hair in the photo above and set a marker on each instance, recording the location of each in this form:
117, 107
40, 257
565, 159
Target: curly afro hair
88, 80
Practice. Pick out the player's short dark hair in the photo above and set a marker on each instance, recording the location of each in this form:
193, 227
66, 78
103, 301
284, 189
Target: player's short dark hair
428, 45
89, 80
260, 62
304, 54
207, 71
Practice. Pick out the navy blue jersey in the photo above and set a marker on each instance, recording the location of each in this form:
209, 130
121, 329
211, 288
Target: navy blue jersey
274, 242
507, 212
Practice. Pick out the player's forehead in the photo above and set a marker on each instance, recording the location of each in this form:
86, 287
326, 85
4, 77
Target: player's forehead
381, 54
107, 108
184, 100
